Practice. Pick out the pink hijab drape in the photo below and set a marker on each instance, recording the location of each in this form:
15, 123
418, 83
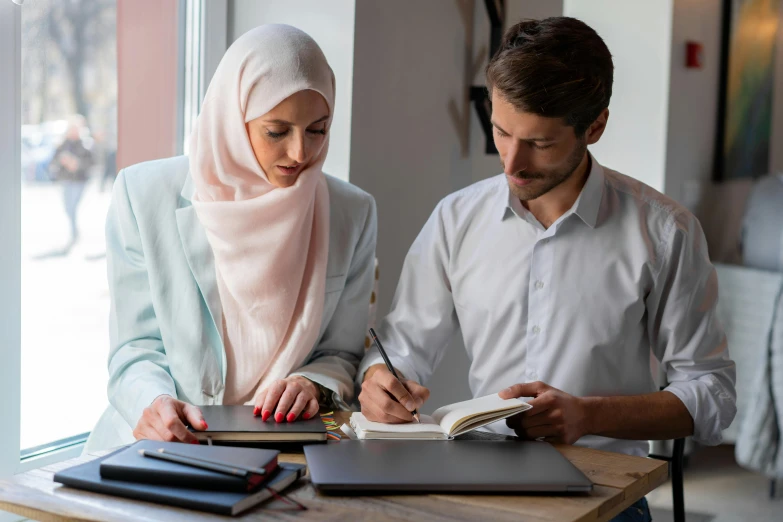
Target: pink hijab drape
270, 244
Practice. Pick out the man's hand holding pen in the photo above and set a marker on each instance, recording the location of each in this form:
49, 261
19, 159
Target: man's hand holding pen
384, 398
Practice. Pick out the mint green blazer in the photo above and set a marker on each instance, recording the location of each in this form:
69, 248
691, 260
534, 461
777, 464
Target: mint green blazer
165, 307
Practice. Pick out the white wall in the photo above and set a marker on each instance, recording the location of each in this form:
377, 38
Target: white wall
692, 129
331, 24
693, 101
638, 34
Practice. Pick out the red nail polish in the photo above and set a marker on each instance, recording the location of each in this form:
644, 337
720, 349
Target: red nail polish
290, 417
195, 442
255, 411
306, 416
278, 417
266, 415
206, 426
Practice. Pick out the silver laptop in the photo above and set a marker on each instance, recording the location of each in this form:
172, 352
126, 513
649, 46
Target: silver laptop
438, 466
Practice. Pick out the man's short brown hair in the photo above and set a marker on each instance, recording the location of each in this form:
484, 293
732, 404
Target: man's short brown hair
557, 67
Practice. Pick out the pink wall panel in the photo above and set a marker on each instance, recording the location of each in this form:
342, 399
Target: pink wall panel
147, 80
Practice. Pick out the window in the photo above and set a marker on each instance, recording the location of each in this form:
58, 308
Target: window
57, 163
68, 164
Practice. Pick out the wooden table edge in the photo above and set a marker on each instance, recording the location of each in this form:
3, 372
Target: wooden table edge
37, 514
653, 479
656, 478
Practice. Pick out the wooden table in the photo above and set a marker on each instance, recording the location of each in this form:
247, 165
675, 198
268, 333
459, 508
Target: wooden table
620, 480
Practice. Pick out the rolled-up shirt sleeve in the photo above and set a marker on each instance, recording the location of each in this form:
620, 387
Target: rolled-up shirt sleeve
685, 333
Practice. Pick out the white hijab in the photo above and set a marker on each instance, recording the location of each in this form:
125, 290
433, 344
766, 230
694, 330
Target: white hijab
270, 244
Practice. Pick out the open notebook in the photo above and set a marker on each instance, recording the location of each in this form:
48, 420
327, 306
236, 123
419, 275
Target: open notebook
446, 422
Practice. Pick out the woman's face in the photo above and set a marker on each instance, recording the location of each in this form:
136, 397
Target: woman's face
287, 139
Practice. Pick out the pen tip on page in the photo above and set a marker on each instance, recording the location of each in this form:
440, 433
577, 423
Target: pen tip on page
418, 419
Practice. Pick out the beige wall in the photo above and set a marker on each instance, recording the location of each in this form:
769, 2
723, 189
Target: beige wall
415, 138
147, 68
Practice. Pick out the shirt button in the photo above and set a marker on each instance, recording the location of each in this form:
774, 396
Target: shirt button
539, 284
536, 329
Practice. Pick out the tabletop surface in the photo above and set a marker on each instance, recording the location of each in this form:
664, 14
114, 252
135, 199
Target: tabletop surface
619, 481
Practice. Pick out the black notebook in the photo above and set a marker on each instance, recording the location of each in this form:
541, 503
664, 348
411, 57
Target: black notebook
129, 465
237, 424
88, 477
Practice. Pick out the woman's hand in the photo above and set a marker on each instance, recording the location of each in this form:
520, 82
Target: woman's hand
165, 419
288, 399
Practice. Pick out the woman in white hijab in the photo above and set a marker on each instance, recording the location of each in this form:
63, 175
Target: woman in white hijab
240, 274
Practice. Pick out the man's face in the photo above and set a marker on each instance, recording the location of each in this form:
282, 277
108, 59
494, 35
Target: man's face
537, 153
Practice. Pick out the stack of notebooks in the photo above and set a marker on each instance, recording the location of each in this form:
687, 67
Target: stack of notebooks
218, 479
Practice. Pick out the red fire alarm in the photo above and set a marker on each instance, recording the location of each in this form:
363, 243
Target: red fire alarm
694, 55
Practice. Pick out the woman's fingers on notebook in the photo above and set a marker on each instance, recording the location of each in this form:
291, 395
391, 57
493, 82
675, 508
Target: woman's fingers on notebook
170, 425
300, 403
312, 409
192, 414
296, 394
273, 394
259, 404
144, 430
163, 420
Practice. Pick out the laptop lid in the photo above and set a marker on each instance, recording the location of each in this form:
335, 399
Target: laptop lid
440, 466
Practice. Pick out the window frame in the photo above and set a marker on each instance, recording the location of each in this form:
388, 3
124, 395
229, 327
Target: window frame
10, 235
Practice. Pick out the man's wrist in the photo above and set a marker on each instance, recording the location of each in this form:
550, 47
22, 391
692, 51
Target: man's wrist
376, 367
371, 371
591, 407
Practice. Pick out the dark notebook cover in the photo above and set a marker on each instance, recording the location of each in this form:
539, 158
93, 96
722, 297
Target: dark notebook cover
88, 477
237, 423
129, 465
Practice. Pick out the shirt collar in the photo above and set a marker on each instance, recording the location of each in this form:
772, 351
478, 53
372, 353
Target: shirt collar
586, 206
589, 201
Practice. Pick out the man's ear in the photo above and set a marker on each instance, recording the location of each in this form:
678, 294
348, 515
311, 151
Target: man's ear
596, 130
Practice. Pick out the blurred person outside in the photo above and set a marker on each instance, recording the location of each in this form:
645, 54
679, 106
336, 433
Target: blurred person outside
70, 166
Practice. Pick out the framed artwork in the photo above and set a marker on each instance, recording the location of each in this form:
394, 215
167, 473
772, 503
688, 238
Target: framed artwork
750, 29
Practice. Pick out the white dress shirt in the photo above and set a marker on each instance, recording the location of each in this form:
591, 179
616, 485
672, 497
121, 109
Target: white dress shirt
579, 305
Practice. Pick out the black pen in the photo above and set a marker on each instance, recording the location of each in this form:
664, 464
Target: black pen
390, 367
196, 462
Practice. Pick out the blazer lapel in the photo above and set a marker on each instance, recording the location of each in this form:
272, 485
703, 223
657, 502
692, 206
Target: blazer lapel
201, 260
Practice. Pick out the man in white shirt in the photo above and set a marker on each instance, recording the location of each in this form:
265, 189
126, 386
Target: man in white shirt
562, 275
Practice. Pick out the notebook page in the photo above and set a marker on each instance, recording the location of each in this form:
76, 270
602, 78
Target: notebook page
369, 428
487, 409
